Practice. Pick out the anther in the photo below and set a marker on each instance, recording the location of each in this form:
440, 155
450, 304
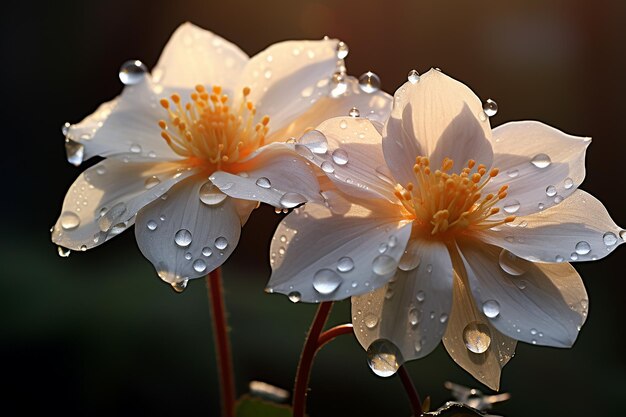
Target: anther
175, 98
164, 103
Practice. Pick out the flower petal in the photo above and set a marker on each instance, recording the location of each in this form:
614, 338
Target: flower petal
436, 117
104, 199
348, 151
274, 175
286, 77
321, 256
196, 56
469, 328
126, 125
412, 309
578, 229
184, 237
545, 304
540, 164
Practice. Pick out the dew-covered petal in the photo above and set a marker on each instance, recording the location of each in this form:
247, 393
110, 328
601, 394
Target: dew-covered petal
540, 164
437, 117
126, 125
321, 256
191, 237
196, 56
348, 151
104, 199
471, 340
274, 175
279, 75
412, 309
578, 229
543, 304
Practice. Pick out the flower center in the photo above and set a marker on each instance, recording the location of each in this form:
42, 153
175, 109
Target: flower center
444, 204
208, 132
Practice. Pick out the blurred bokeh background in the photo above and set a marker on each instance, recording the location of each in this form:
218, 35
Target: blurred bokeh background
99, 334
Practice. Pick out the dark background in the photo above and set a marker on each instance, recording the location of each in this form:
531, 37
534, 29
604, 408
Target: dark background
99, 333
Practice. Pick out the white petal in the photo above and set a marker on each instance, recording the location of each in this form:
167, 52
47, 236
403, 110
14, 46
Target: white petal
287, 76
354, 159
412, 309
540, 184
274, 175
439, 118
324, 257
373, 106
545, 305
578, 229
196, 56
193, 238
469, 327
125, 125
104, 199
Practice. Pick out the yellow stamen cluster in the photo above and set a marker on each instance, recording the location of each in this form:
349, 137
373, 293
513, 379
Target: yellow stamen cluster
207, 131
443, 203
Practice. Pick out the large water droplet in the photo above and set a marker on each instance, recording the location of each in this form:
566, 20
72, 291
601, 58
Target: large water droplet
74, 151
551, 191
199, 265
65, 129
609, 238
326, 281
294, 296
510, 263
340, 157
342, 50
583, 248
491, 308
413, 76
132, 72
221, 243
541, 160
111, 216
327, 167
511, 206
291, 200
151, 225
354, 112
370, 320
339, 84
179, 286
151, 182
384, 358
568, 183
183, 238
490, 107
263, 182
420, 296
414, 316
63, 252
206, 251
315, 141
69, 220
345, 264
369, 82
477, 337
384, 265
211, 195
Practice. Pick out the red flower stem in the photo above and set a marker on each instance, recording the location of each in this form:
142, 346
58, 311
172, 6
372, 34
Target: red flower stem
332, 333
222, 345
411, 392
306, 359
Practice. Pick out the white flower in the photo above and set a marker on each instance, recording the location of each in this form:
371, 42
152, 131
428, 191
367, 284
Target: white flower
207, 111
450, 230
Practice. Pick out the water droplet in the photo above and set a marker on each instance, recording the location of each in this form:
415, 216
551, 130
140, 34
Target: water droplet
384, 265
490, 107
420, 296
327, 167
69, 220
132, 72
558, 199
370, 320
510, 263
533, 331
354, 112
65, 129
609, 238
101, 170
210, 195
369, 82
315, 141
414, 316
413, 76
345, 264
151, 225
326, 281
294, 296
491, 308
206, 251
83, 248
188, 256
384, 358
418, 346
583, 248
568, 183
151, 182
551, 191
111, 216
63, 252
382, 248
263, 182
342, 50
179, 286
199, 265
511, 206
541, 206
291, 200
541, 160
343, 124
574, 256
134, 148
74, 151
340, 157
339, 84
221, 243
477, 337
183, 238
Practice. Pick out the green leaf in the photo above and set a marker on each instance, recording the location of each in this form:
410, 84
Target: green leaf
452, 409
248, 406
